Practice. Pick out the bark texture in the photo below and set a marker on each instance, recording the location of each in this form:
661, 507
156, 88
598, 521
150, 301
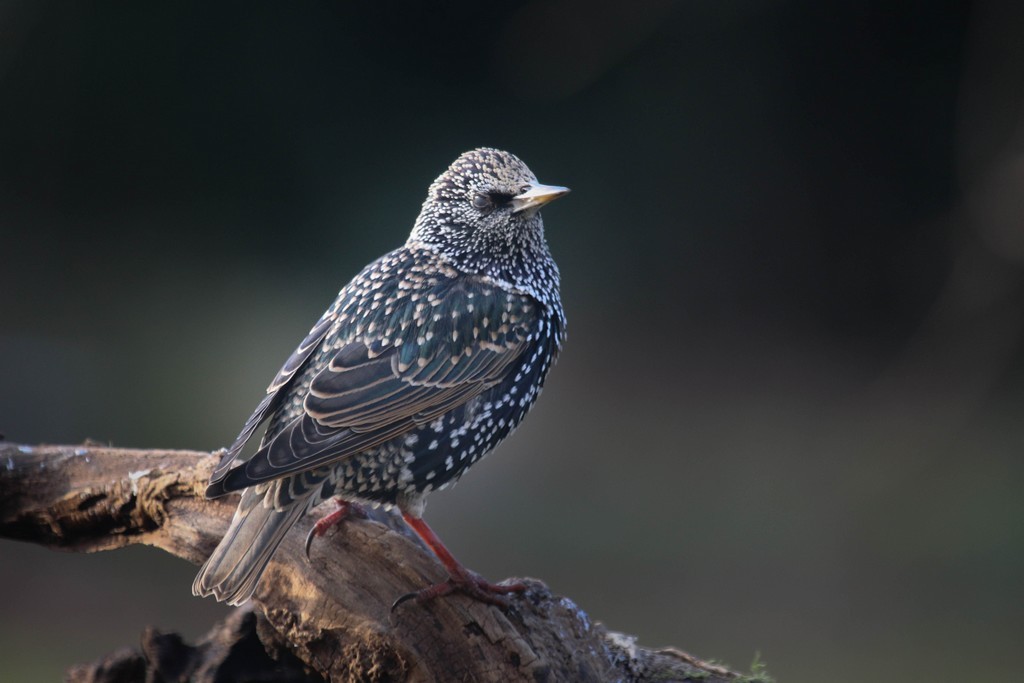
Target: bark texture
328, 619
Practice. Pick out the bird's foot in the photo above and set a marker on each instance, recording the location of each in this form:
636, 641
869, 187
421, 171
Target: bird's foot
345, 510
469, 584
460, 579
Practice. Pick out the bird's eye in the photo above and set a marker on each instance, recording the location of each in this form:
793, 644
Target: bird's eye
482, 202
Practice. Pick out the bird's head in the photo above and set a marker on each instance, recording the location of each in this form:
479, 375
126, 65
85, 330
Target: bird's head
482, 213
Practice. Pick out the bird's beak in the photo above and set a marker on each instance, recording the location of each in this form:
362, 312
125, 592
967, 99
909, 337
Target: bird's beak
537, 196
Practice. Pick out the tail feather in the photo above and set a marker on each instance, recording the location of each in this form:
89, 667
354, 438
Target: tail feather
236, 565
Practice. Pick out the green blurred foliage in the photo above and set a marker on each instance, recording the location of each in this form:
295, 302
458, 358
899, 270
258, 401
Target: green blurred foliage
787, 418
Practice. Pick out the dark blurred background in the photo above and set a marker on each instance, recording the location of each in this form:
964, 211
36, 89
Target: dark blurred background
788, 416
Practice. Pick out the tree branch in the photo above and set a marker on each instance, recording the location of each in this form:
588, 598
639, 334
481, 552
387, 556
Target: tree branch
331, 614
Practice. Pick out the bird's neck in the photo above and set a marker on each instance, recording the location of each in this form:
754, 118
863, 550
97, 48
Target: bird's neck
525, 267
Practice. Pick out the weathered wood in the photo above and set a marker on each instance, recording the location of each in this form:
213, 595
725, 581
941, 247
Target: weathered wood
232, 651
332, 614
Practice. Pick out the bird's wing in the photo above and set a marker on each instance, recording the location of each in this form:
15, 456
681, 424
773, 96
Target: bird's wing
275, 392
375, 389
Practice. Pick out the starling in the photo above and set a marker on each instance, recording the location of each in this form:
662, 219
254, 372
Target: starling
425, 362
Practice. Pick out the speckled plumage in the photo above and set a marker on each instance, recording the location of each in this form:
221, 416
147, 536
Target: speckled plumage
427, 360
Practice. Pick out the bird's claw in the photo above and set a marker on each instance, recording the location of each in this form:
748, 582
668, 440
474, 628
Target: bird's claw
309, 541
405, 598
472, 586
345, 510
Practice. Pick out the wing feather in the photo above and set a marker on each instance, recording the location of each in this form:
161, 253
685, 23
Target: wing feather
270, 402
380, 385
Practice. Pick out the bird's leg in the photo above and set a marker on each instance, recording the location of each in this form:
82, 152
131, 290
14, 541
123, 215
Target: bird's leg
460, 579
345, 509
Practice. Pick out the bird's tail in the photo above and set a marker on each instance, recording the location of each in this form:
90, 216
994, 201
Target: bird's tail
236, 565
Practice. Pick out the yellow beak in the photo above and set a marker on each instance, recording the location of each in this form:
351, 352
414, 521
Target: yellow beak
537, 196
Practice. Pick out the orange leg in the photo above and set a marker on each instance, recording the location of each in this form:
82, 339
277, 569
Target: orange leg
460, 579
345, 510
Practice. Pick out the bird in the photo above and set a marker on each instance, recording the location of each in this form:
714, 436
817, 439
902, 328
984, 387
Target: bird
426, 360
